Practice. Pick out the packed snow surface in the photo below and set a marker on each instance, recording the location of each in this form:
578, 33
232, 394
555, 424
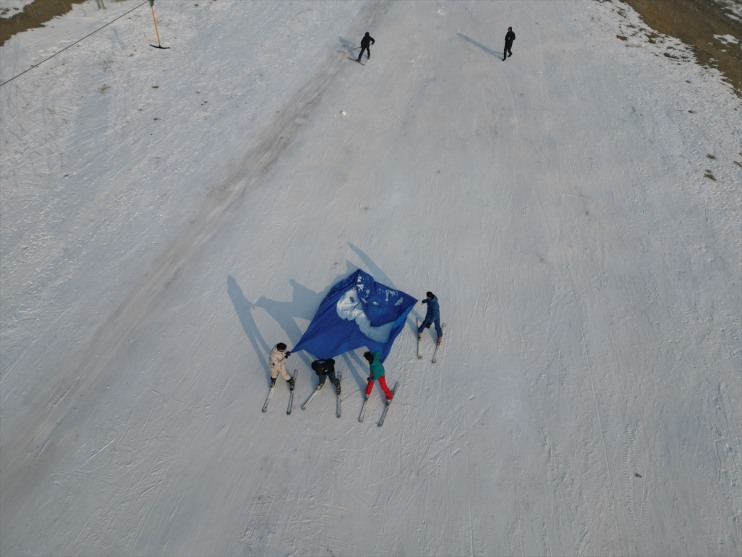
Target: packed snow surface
167, 216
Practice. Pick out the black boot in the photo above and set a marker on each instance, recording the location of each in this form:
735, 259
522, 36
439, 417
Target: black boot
291, 383
337, 388
273, 382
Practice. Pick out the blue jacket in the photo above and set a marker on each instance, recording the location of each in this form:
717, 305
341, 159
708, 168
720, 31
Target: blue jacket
434, 311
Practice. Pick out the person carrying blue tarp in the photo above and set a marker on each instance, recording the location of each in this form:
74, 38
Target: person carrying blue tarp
325, 369
376, 370
432, 316
278, 365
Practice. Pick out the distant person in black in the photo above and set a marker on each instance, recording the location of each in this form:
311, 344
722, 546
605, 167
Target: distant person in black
509, 38
366, 42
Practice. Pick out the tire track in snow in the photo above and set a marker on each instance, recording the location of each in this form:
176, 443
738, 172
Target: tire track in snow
516, 535
465, 435
585, 347
528, 523
591, 375
650, 473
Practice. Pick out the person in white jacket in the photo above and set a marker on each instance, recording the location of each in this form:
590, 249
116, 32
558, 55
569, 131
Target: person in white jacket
278, 357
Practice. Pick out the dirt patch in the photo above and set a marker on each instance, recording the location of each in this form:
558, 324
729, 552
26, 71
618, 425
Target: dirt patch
33, 15
699, 24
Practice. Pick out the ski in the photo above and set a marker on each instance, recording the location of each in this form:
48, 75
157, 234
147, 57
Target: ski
291, 394
337, 409
417, 332
363, 409
306, 402
386, 407
268, 398
437, 345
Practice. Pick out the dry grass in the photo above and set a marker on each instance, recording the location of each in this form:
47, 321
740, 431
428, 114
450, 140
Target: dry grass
696, 22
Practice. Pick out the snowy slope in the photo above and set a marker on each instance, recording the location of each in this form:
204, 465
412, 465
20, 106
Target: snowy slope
169, 215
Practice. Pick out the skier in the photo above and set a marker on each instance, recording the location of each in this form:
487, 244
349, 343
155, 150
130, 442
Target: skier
325, 369
366, 42
377, 372
509, 38
432, 316
278, 357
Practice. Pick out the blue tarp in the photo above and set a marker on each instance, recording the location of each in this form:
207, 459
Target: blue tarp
358, 311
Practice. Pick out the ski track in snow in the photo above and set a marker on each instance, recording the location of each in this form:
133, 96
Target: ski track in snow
586, 397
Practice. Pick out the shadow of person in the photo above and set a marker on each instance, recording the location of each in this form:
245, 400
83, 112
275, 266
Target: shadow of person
373, 269
244, 308
346, 45
285, 313
479, 45
355, 364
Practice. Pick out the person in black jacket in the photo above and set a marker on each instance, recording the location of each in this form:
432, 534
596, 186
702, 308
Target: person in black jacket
366, 42
325, 369
509, 38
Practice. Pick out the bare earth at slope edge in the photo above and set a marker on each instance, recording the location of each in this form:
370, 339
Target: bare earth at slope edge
698, 23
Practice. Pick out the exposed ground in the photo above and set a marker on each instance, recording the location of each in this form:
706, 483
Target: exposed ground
698, 23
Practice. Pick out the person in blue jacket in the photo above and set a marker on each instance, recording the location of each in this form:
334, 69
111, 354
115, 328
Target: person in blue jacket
432, 316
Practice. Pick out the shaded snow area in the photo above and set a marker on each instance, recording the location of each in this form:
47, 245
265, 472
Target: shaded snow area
167, 216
